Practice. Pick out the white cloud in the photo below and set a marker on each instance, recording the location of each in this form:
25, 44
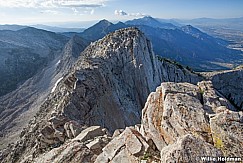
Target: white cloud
120, 12
123, 13
52, 3
83, 11
92, 12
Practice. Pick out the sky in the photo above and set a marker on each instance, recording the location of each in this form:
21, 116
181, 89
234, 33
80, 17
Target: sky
56, 11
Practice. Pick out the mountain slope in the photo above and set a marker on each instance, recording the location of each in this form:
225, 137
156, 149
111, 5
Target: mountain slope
196, 50
108, 86
25, 52
19, 106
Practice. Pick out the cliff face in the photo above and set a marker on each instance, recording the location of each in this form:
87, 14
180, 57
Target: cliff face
229, 83
108, 86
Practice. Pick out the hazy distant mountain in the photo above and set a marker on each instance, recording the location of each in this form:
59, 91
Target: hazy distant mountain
229, 29
149, 21
189, 48
57, 29
203, 36
12, 27
24, 52
229, 23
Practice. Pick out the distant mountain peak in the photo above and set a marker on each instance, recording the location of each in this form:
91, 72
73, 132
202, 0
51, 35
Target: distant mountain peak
101, 29
143, 20
104, 21
150, 21
147, 17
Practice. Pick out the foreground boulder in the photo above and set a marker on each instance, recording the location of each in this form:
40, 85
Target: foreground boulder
186, 148
175, 109
128, 147
181, 122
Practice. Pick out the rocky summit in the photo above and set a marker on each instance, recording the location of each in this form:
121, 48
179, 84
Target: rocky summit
119, 103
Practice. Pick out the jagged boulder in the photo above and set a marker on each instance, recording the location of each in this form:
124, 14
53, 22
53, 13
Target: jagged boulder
91, 132
83, 148
129, 147
179, 116
227, 132
188, 148
213, 102
174, 110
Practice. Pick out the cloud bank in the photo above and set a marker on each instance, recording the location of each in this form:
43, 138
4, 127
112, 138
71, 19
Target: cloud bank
52, 3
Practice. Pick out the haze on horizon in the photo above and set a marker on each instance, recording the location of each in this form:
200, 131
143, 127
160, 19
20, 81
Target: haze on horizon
54, 11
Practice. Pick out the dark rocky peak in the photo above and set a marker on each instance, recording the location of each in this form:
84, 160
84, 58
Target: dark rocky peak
70, 53
103, 24
120, 23
77, 44
117, 26
97, 31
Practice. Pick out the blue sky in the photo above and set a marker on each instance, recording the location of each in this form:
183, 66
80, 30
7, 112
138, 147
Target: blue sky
44, 11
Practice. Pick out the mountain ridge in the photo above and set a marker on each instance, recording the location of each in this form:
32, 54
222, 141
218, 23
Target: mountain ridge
116, 72
181, 44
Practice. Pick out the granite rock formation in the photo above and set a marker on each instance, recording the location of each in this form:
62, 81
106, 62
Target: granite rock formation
181, 122
107, 88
